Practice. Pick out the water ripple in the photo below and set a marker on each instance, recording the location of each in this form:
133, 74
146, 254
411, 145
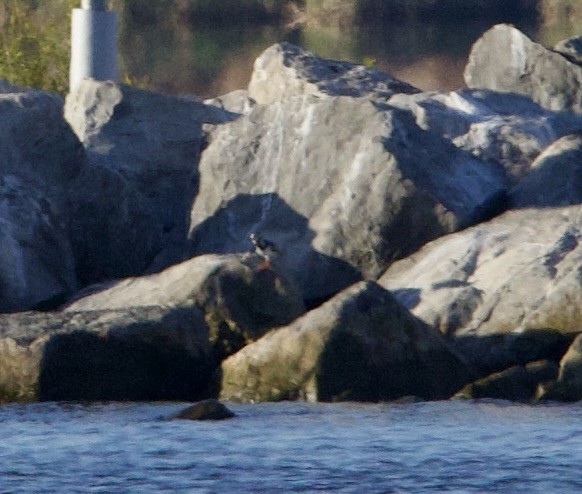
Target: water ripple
292, 447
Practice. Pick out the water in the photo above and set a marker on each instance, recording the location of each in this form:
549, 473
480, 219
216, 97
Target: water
207, 60
459, 447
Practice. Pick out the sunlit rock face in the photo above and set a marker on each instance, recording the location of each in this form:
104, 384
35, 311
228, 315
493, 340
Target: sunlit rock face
505, 59
509, 291
285, 70
506, 128
343, 185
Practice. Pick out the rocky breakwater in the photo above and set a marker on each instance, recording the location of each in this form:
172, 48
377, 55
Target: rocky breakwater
461, 211
362, 345
155, 337
343, 182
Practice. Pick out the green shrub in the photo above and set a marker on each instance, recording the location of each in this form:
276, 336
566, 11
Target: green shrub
35, 43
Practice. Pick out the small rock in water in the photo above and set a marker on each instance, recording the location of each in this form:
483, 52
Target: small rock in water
205, 410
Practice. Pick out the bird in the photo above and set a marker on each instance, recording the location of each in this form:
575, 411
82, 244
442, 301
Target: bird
264, 248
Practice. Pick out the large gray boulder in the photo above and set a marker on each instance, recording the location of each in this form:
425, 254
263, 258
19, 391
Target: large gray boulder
39, 160
509, 291
144, 147
342, 185
361, 345
285, 70
241, 300
505, 128
152, 353
505, 59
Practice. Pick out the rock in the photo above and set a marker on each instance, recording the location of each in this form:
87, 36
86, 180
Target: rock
149, 353
342, 185
517, 383
210, 409
233, 104
36, 259
240, 300
506, 128
568, 386
285, 70
504, 59
39, 159
571, 48
152, 142
361, 345
515, 277
114, 230
555, 178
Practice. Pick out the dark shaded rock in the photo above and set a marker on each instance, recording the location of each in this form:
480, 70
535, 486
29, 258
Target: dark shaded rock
504, 59
518, 383
205, 410
149, 353
497, 352
555, 178
240, 299
39, 159
568, 385
361, 345
36, 258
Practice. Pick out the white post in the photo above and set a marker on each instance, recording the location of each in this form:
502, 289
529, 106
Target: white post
93, 43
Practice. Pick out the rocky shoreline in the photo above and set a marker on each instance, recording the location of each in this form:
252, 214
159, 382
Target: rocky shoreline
428, 243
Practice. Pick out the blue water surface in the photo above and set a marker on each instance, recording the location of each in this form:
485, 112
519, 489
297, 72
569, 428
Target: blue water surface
449, 446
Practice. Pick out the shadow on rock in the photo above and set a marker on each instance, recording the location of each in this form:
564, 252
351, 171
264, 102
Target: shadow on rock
555, 178
415, 359
89, 366
318, 276
495, 353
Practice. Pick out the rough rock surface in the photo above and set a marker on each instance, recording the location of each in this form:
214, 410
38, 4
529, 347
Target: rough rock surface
505, 128
240, 299
342, 185
39, 159
517, 275
144, 147
285, 70
152, 353
360, 345
505, 59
